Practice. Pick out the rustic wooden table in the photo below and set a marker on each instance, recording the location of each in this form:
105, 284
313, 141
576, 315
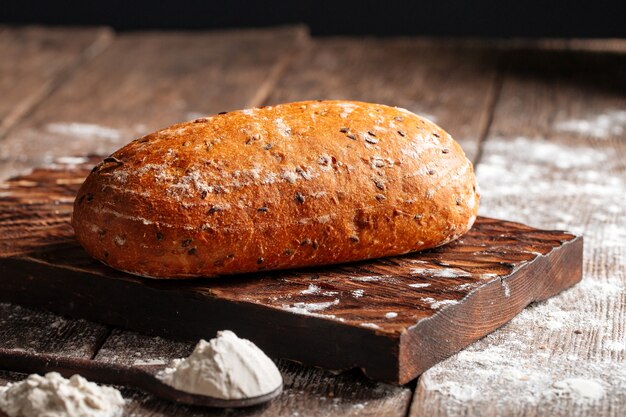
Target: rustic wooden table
544, 122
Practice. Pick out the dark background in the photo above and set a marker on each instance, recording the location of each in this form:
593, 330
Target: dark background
480, 18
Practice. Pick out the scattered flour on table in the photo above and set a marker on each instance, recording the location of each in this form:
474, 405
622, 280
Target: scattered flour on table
83, 130
226, 367
54, 396
149, 362
615, 345
488, 373
568, 348
71, 160
579, 389
611, 123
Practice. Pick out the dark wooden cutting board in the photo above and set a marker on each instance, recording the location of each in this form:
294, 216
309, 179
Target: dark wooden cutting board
392, 317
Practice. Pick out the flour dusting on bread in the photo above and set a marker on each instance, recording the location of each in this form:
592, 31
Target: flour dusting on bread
276, 187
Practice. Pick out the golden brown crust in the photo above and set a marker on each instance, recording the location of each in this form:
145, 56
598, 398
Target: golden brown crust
309, 183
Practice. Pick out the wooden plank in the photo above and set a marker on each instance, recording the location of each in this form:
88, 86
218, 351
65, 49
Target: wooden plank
145, 81
554, 158
472, 285
37, 331
137, 349
449, 84
308, 391
36, 60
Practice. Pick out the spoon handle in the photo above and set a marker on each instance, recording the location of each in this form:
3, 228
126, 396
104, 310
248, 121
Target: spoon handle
116, 374
102, 372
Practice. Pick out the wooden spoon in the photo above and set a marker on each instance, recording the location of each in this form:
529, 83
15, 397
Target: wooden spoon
110, 373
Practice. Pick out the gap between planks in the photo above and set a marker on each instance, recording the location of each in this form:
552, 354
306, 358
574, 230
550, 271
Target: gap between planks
283, 65
488, 112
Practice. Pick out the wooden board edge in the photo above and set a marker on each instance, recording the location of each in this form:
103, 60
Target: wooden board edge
494, 304
333, 345
399, 357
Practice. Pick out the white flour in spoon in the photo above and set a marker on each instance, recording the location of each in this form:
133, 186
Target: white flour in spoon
226, 367
54, 396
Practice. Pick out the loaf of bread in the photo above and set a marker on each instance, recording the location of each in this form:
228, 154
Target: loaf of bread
286, 186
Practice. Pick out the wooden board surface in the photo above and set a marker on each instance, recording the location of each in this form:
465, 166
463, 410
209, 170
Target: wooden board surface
404, 313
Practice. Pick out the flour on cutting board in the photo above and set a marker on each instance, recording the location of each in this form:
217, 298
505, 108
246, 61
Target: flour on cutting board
440, 273
419, 285
358, 293
370, 278
437, 304
312, 289
311, 309
566, 349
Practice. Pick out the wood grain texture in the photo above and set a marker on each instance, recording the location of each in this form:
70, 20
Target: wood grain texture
36, 60
548, 345
399, 310
42, 207
451, 85
308, 391
143, 82
37, 331
554, 157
